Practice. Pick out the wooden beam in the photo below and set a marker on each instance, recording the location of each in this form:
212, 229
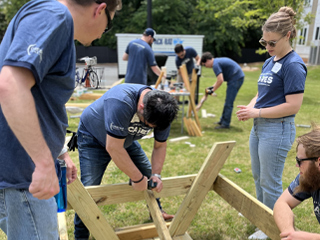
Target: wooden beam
63, 230
193, 87
255, 211
89, 212
159, 79
138, 232
122, 192
157, 217
200, 187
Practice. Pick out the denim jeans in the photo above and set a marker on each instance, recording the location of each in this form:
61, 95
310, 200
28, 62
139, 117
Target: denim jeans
25, 217
232, 91
94, 160
270, 141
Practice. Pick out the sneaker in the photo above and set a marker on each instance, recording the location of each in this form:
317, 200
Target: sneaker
258, 235
219, 123
222, 127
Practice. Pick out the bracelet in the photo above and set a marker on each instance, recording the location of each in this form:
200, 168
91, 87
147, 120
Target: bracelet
260, 113
139, 180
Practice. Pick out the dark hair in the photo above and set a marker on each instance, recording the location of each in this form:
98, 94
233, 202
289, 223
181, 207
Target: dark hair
206, 56
281, 22
178, 48
160, 108
112, 5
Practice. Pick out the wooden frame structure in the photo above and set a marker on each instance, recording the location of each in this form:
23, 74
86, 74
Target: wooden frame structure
84, 201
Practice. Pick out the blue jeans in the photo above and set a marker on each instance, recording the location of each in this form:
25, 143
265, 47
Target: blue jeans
94, 160
270, 141
232, 91
25, 217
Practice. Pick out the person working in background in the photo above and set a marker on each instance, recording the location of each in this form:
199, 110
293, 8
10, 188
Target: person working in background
304, 186
139, 55
229, 71
37, 62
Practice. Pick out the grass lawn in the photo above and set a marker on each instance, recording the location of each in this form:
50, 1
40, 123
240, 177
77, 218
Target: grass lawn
216, 220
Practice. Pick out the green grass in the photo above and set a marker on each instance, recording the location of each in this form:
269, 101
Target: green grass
215, 220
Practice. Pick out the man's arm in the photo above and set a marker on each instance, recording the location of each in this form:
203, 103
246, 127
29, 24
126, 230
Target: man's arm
218, 83
157, 161
19, 109
157, 70
123, 161
125, 57
198, 59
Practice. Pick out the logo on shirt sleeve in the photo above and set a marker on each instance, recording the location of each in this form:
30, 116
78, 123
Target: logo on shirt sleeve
33, 49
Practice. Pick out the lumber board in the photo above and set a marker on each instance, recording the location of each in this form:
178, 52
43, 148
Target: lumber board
196, 129
193, 87
82, 105
200, 187
204, 113
89, 212
255, 211
159, 79
138, 232
184, 75
122, 192
63, 230
157, 217
90, 96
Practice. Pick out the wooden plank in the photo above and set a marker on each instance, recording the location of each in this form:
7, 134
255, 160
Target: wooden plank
122, 192
138, 232
179, 139
193, 87
159, 79
89, 212
200, 186
255, 211
192, 131
183, 237
157, 217
82, 105
204, 113
196, 129
90, 96
63, 230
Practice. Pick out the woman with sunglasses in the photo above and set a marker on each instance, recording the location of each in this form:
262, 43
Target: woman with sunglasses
280, 94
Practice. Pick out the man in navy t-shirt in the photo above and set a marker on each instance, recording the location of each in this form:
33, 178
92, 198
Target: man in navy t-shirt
229, 71
139, 55
185, 56
109, 129
304, 186
37, 62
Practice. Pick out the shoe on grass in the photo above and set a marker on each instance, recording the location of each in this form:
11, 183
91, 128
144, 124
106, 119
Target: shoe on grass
222, 127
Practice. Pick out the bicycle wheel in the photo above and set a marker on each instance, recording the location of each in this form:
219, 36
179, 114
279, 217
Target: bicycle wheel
94, 80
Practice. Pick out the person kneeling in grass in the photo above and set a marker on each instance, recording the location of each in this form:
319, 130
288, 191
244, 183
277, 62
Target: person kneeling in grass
304, 186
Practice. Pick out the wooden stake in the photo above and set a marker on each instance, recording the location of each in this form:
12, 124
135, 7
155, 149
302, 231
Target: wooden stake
159, 80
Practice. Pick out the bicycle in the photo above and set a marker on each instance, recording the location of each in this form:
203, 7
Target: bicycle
89, 73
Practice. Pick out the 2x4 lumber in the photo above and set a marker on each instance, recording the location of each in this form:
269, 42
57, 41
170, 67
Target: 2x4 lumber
89, 212
138, 232
184, 74
122, 192
81, 105
200, 187
90, 96
158, 220
196, 129
193, 86
159, 79
255, 211
63, 230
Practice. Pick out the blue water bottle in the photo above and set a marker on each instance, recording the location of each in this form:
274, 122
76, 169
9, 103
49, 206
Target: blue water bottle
61, 197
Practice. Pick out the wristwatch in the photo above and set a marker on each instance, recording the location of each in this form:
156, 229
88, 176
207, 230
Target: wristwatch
157, 175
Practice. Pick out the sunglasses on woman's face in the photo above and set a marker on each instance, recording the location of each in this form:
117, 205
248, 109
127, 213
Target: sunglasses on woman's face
271, 43
299, 160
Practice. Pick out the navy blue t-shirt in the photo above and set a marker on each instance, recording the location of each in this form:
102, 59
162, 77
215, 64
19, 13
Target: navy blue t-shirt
279, 79
39, 38
188, 59
140, 57
115, 114
230, 69
303, 196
